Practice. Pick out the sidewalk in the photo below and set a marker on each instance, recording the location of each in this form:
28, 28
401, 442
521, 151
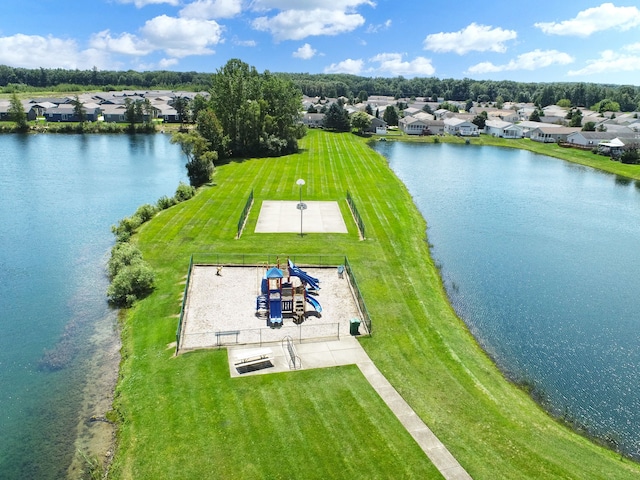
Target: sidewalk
348, 351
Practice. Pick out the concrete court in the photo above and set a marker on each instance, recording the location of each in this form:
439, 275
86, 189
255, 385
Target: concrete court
284, 217
348, 351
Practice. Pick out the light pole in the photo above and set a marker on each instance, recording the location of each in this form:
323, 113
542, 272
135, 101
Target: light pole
301, 206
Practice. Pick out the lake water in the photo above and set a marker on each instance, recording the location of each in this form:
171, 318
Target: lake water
541, 258
60, 195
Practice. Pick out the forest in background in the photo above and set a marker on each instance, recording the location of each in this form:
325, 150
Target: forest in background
581, 94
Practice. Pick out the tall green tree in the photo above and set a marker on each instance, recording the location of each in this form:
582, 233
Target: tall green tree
391, 116
17, 114
361, 121
200, 160
337, 118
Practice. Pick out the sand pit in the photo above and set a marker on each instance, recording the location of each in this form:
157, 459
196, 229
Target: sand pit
221, 309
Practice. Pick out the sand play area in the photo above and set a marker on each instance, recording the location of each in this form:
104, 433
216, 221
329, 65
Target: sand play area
221, 309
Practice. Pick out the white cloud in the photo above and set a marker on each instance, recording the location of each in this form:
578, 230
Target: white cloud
474, 37
611, 62
305, 52
634, 47
379, 27
209, 9
392, 63
354, 67
181, 37
144, 3
264, 5
299, 24
35, 51
527, 61
245, 43
126, 44
591, 20
167, 62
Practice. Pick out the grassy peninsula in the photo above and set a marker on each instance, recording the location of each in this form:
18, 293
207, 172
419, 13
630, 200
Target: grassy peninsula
186, 418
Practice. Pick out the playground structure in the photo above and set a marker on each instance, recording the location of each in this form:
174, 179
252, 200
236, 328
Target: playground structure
286, 295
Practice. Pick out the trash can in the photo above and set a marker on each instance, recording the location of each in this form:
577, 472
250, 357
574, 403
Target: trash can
354, 326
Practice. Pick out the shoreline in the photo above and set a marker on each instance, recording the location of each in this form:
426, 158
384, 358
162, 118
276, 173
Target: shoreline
95, 435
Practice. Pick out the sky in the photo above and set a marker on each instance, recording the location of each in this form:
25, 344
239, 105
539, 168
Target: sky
542, 41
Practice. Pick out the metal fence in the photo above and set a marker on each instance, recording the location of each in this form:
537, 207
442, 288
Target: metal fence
260, 336
257, 259
358, 296
184, 302
266, 335
356, 214
245, 213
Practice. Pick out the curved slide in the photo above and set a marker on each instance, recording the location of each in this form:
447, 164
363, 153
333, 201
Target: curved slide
314, 303
296, 272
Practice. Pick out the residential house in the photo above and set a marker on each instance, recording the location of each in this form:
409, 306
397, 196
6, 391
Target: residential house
551, 134
502, 129
511, 116
113, 113
589, 139
313, 120
526, 127
412, 125
461, 127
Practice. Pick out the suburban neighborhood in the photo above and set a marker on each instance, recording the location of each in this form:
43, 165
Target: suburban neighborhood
608, 134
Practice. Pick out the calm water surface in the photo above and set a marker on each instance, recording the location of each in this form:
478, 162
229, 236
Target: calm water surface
60, 195
541, 258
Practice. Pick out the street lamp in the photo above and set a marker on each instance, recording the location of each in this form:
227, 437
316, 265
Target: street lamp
301, 206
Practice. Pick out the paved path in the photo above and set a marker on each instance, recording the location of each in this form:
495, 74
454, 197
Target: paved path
348, 351
435, 450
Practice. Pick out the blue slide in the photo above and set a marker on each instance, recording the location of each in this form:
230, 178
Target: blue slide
296, 272
314, 303
275, 311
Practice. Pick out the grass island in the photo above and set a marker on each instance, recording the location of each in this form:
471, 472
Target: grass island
185, 417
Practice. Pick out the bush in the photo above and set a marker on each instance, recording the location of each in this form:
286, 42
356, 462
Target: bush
131, 283
184, 192
126, 227
123, 254
165, 202
146, 212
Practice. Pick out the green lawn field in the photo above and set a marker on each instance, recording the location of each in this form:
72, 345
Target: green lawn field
183, 417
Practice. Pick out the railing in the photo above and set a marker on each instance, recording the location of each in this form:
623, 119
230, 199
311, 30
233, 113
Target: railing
245, 214
184, 301
294, 360
259, 336
356, 215
257, 259
358, 296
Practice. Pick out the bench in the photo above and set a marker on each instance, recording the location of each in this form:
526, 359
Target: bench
245, 358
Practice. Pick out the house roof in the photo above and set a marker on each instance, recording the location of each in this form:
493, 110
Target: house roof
498, 124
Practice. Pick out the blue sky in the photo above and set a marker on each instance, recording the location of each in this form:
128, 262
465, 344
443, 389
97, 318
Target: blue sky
542, 41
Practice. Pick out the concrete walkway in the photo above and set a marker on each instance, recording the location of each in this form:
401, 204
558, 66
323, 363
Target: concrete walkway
348, 351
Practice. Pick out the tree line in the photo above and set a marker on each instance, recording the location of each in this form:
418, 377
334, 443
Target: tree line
334, 85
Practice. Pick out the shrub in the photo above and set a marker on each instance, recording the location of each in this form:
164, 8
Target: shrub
146, 212
126, 227
122, 254
165, 202
131, 283
184, 192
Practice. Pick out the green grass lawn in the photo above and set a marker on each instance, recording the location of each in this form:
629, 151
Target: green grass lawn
185, 418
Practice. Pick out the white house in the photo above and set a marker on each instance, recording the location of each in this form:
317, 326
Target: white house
457, 126
502, 129
412, 125
590, 139
552, 135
